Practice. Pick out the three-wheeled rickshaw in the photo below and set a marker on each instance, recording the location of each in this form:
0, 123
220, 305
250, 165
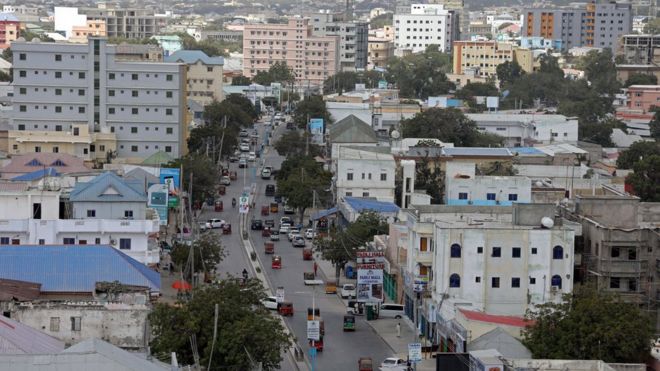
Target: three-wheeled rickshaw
233, 175
307, 253
349, 323
330, 287
266, 232
265, 211
313, 314
285, 308
274, 207
225, 172
365, 364
226, 228
276, 262
219, 206
222, 190
269, 248
318, 344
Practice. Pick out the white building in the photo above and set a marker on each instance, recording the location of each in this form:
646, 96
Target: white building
464, 187
426, 24
65, 18
365, 172
527, 129
60, 84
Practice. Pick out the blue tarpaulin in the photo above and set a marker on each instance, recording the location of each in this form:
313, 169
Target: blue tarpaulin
324, 213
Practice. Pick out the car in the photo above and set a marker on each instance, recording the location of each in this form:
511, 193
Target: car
256, 225
293, 232
270, 302
275, 237
394, 364
269, 223
225, 180
391, 310
242, 163
244, 147
348, 291
270, 190
289, 210
310, 234
265, 173
298, 241
202, 227
284, 229
252, 157
286, 219
245, 141
233, 158
243, 133
215, 223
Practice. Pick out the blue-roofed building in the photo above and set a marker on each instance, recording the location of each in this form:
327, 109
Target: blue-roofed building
37, 175
205, 75
93, 291
352, 207
109, 196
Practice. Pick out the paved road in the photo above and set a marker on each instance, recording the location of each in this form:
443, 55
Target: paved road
342, 349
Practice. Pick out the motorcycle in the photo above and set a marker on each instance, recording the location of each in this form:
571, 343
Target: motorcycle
233, 202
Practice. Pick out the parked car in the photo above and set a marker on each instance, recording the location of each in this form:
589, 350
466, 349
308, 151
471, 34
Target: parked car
270, 190
270, 302
289, 210
298, 241
243, 133
225, 180
203, 227
215, 223
242, 163
284, 229
293, 231
287, 220
389, 310
348, 291
275, 237
252, 156
265, 172
244, 147
256, 225
233, 158
310, 234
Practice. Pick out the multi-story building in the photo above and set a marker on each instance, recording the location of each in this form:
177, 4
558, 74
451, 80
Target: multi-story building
204, 75
10, 28
353, 39
528, 129
312, 58
483, 57
424, 25
596, 24
59, 85
79, 34
365, 172
643, 97
23, 12
131, 23
380, 52
640, 49
464, 187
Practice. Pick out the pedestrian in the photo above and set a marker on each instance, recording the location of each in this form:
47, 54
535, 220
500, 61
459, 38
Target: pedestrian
398, 329
171, 268
315, 268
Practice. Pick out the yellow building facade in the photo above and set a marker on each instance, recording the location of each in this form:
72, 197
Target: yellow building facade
483, 57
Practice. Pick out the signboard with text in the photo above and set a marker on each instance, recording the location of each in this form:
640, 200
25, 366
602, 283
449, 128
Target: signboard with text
243, 204
415, 352
279, 295
158, 200
314, 330
370, 283
316, 129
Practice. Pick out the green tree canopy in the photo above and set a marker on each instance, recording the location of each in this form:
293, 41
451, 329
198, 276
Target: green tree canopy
448, 125
243, 103
208, 252
212, 48
205, 174
600, 71
654, 125
345, 81
589, 324
477, 89
509, 72
297, 180
246, 332
421, 75
311, 107
641, 79
293, 143
636, 152
278, 72
646, 178
241, 81
382, 20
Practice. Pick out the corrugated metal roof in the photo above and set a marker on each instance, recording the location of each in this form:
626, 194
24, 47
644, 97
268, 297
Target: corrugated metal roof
36, 175
109, 187
477, 151
192, 56
13, 186
126, 359
351, 129
18, 338
362, 204
73, 268
526, 151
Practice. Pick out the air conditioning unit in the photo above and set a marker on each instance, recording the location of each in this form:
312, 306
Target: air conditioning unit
113, 242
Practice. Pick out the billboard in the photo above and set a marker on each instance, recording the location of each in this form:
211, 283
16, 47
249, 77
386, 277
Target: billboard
370, 283
171, 177
158, 200
382, 84
276, 90
317, 130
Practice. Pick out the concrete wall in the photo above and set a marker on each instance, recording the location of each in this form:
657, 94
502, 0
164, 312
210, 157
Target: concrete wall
19, 205
109, 210
600, 209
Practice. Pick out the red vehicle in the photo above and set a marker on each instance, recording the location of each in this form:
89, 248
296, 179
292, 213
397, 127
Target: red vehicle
365, 364
226, 228
285, 308
318, 344
276, 262
266, 232
225, 172
269, 248
233, 175
307, 253
219, 206
222, 190
265, 210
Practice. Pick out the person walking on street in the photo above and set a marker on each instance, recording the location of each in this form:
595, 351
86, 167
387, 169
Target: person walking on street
171, 268
315, 268
398, 329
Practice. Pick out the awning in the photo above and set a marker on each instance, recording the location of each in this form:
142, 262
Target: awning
324, 213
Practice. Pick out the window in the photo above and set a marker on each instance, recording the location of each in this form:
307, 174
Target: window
534, 250
632, 284
615, 252
128, 214
513, 197
76, 131
58, 91
169, 130
81, 109
532, 281
76, 323
58, 127
111, 76
68, 241
558, 252
423, 244
615, 282
81, 75
58, 57
81, 92
111, 110
124, 243
82, 242
111, 93
54, 324
463, 196
365, 194
97, 241
632, 254
490, 196
134, 93
22, 56
454, 280
169, 78
515, 282
168, 94
4, 240
134, 111
134, 130
497, 252
349, 176
134, 76
91, 213
168, 149
24, 74
22, 109
58, 109
134, 148
480, 250
515, 252
56, 149
477, 279
556, 281
168, 112
455, 250
495, 282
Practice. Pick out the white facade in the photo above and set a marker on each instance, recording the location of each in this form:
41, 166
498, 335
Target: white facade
365, 172
129, 236
464, 187
28, 204
60, 84
426, 24
65, 18
527, 129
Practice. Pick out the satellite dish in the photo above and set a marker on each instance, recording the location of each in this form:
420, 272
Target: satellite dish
395, 134
547, 222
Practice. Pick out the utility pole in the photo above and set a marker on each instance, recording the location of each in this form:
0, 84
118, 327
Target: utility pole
222, 140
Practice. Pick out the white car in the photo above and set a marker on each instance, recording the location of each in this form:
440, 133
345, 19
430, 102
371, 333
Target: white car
215, 223
243, 133
244, 147
293, 232
298, 241
225, 180
348, 291
265, 173
252, 157
274, 236
270, 303
284, 229
310, 234
203, 227
393, 364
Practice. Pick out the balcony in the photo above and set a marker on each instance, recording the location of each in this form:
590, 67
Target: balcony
622, 268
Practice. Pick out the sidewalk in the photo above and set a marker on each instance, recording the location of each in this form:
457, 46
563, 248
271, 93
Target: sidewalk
385, 327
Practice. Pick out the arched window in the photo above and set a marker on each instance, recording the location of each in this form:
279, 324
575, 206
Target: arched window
556, 281
558, 252
455, 250
454, 280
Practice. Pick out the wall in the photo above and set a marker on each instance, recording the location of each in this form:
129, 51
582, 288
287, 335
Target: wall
366, 178
198, 78
19, 205
109, 210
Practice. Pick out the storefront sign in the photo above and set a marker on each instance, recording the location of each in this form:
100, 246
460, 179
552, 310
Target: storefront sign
415, 352
370, 285
314, 330
158, 200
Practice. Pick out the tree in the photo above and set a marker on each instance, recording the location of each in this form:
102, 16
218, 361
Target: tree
641, 79
246, 333
8, 55
596, 132
278, 72
421, 75
636, 152
380, 21
653, 26
508, 72
205, 174
589, 324
262, 78
208, 252
243, 103
292, 143
550, 65
342, 244
600, 71
345, 81
299, 179
477, 89
584, 102
240, 81
311, 107
448, 125
210, 47
654, 125
645, 180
